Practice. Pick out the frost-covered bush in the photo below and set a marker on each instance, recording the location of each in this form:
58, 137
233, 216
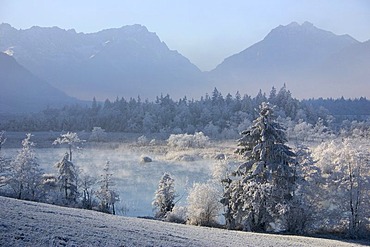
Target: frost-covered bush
198, 140
98, 135
142, 140
177, 215
344, 189
203, 205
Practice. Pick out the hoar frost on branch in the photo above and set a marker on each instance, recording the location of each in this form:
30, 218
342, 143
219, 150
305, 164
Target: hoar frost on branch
71, 139
345, 186
203, 204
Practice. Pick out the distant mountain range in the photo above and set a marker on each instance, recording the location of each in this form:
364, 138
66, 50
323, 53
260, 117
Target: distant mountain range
131, 61
22, 92
122, 62
312, 62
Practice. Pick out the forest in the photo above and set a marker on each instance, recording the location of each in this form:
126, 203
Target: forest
215, 115
298, 167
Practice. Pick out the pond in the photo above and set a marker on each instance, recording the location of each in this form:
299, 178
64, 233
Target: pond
136, 181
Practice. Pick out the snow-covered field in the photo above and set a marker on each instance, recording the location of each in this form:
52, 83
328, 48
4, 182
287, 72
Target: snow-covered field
26, 223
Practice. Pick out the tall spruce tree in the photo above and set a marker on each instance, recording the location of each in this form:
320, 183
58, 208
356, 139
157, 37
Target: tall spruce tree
259, 194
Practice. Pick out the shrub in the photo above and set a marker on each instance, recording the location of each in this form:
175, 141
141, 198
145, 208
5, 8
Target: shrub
198, 140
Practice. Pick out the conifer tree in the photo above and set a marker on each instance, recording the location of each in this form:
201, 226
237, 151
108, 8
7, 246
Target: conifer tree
25, 173
259, 193
67, 178
107, 195
164, 196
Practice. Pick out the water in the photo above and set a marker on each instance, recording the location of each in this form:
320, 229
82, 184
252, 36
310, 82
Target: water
136, 182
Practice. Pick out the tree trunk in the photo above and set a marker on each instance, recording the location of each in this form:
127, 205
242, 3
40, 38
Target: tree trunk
20, 191
70, 152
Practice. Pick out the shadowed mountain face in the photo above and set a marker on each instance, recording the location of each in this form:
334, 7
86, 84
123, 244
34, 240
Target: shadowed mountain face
302, 56
127, 61
131, 61
21, 91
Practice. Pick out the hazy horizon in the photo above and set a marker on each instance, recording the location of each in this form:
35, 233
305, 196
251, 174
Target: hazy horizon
205, 32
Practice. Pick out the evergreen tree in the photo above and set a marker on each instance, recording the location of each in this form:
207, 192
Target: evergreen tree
259, 193
25, 173
164, 196
108, 197
67, 178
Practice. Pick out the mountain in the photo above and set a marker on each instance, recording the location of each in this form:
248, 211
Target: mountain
127, 61
21, 91
131, 61
351, 69
26, 223
302, 56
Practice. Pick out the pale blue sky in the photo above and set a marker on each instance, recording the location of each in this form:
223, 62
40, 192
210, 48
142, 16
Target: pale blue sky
206, 32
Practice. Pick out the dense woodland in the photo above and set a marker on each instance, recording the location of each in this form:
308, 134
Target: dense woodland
215, 115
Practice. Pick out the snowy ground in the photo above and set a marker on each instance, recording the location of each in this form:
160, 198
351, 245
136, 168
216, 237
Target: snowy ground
26, 223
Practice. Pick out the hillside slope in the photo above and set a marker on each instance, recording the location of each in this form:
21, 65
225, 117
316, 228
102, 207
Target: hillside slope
21, 91
26, 223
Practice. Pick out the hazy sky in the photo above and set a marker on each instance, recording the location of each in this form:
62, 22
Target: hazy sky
206, 32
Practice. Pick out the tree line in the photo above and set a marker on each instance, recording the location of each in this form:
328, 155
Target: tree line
215, 115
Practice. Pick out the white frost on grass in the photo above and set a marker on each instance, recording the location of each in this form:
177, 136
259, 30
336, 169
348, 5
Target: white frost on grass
26, 223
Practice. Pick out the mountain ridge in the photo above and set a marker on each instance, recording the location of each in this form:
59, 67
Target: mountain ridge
23, 92
130, 61
294, 55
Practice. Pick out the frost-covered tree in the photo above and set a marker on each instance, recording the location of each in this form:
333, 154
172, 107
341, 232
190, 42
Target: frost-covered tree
106, 193
307, 177
164, 199
343, 205
86, 183
203, 204
97, 134
4, 164
71, 139
25, 174
259, 193
67, 178
2, 138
